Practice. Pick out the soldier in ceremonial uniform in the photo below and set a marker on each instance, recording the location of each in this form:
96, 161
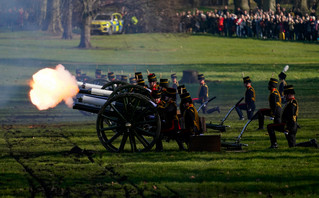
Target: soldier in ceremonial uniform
78, 73
163, 84
111, 76
152, 80
167, 110
156, 96
174, 81
202, 91
141, 82
289, 122
98, 73
138, 76
190, 115
250, 99
282, 77
181, 90
274, 103
133, 81
124, 78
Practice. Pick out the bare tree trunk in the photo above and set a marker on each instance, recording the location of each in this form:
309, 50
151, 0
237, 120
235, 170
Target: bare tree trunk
85, 41
304, 6
244, 5
55, 25
67, 34
269, 4
43, 12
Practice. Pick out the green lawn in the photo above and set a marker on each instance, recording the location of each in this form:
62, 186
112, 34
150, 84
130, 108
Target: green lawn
35, 158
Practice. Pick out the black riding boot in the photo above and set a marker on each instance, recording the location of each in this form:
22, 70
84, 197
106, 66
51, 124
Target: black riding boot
273, 139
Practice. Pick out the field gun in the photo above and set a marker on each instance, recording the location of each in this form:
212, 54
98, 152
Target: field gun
125, 113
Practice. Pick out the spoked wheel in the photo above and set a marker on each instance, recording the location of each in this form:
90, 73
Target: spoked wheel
128, 122
113, 85
98, 81
131, 89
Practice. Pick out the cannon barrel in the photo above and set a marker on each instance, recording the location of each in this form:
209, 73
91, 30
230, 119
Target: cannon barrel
88, 85
95, 91
92, 100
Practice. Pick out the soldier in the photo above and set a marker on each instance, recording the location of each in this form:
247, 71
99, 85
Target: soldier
152, 81
133, 81
274, 104
98, 73
163, 84
181, 90
190, 115
167, 110
202, 91
78, 73
118, 77
250, 98
124, 78
174, 81
111, 76
289, 122
156, 96
79, 76
138, 75
203, 94
282, 77
141, 82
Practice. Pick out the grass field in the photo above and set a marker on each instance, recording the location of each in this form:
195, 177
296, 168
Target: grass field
35, 146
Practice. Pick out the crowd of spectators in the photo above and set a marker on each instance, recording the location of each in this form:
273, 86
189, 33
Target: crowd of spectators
280, 24
16, 18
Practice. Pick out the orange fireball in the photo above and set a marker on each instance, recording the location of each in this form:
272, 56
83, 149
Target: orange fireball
50, 86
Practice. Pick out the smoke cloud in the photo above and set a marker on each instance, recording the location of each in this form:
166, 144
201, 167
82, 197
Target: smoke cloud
50, 86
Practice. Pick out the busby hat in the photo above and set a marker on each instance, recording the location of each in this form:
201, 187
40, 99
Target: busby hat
173, 76
282, 76
133, 80
201, 77
273, 82
152, 77
138, 75
78, 71
124, 78
156, 94
164, 83
170, 92
98, 72
289, 89
181, 89
118, 77
110, 75
186, 97
246, 79
141, 82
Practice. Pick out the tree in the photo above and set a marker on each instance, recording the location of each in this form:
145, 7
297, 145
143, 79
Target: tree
67, 19
304, 6
269, 4
87, 7
43, 13
243, 4
54, 18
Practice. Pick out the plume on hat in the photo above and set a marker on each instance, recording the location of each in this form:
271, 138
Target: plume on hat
285, 69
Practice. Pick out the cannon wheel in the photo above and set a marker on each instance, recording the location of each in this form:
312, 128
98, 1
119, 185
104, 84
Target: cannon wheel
113, 85
131, 118
131, 89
